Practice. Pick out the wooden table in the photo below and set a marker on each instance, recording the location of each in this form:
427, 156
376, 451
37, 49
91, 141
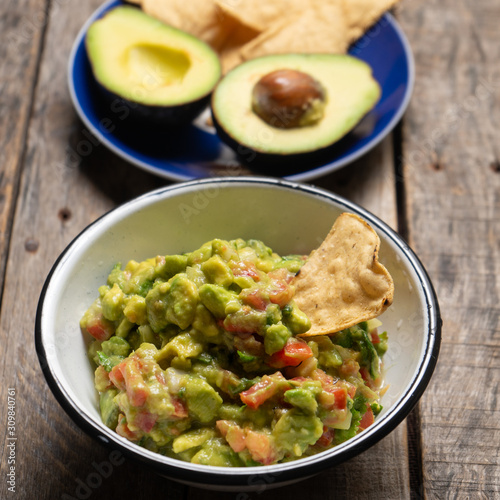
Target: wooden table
436, 179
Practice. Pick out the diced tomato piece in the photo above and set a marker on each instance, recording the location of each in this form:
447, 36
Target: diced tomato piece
294, 352
281, 292
375, 338
257, 443
137, 395
260, 447
223, 426
145, 420
233, 433
180, 409
123, 430
127, 376
367, 419
244, 321
245, 268
116, 376
263, 390
340, 394
333, 397
326, 439
335, 392
256, 299
281, 296
100, 329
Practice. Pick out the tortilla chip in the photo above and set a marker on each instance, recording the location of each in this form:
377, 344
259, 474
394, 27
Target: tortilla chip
362, 14
260, 14
230, 52
244, 29
201, 18
343, 283
319, 30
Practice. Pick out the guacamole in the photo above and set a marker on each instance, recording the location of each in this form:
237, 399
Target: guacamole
199, 357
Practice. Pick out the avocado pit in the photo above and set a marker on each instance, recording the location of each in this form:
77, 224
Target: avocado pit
288, 98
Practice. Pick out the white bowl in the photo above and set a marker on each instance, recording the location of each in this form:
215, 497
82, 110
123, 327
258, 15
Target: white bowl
290, 218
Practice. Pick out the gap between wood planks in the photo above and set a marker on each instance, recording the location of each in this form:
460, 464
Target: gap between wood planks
413, 421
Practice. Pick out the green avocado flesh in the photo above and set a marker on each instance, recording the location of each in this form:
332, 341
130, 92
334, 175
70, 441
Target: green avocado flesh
351, 92
145, 61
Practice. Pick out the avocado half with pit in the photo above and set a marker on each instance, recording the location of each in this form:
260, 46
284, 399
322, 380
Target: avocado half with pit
160, 72
291, 106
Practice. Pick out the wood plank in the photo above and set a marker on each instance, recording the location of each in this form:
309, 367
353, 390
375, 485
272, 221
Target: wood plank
451, 169
370, 182
21, 37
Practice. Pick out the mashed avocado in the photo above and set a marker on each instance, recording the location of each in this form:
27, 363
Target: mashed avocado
199, 357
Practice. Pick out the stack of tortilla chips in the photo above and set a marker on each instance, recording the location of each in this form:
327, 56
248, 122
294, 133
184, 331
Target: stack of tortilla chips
245, 29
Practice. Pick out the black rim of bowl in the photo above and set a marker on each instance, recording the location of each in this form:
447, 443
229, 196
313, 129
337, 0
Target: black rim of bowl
271, 475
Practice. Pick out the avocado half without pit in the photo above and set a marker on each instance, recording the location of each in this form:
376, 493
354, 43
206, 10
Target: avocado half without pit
292, 106
160, 72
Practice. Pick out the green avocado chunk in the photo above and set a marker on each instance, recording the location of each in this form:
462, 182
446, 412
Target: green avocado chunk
109, 409
294, 431
275, 338
217, 271
170, 265
202, 400
304, 397
172, 302
113, 303
218, 300
295, 319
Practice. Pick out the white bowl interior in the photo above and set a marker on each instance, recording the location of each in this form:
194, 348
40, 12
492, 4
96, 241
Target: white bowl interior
181, 219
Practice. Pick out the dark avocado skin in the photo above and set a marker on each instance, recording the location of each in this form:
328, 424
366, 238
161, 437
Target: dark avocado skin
278, 164
181, 114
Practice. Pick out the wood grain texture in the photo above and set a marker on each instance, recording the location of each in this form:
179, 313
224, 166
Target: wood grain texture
451, 169
21, 37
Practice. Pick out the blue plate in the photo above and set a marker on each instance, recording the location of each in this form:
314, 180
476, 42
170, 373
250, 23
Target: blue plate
195, 151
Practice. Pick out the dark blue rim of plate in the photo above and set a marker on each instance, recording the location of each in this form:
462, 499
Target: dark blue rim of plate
272, 475
194, 152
